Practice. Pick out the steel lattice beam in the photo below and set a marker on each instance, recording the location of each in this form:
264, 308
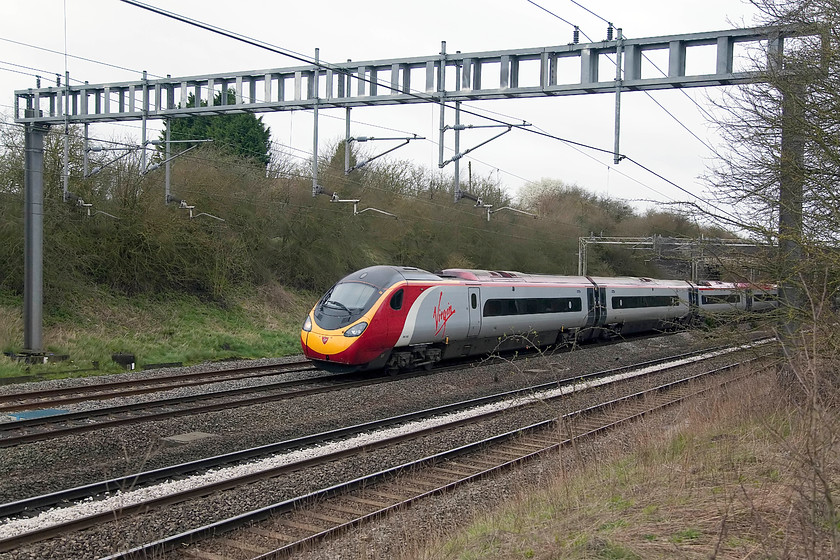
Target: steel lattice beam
397, 81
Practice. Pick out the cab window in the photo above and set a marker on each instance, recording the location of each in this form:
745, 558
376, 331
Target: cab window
397, 300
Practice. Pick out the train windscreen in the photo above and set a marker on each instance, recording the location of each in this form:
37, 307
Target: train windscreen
345, 303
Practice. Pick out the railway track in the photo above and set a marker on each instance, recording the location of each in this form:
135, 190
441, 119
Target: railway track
49, 427
49, 398
299, 523
329, 452
56, 398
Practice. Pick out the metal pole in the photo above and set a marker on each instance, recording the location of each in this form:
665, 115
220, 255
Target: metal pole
347, 129
618, 50
458, 151
168, 169
458, 137
581, 256
66, 168
790, 208
66, 184
33, 241
315, 126
145, 110
86, 158
441, 77
347, 142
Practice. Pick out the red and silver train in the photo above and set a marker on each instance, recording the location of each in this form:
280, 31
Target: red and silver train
397, 317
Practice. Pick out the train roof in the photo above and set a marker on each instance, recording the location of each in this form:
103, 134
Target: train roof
638, 281
510, 276
386, 275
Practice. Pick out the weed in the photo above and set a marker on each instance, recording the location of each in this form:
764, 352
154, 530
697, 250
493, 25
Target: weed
685, 535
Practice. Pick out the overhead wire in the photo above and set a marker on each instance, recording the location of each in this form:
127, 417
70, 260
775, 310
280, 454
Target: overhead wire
92, 61
309, 60
647, 169
282, 51
646, 57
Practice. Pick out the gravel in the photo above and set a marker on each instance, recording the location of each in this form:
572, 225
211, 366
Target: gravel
48, 466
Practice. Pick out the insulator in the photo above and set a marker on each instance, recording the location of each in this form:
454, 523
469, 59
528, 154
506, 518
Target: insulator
609, 32
576, 35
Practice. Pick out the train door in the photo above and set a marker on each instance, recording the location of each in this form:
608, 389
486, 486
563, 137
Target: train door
591, 306
602, 306
693, 304
596, 299
475, 312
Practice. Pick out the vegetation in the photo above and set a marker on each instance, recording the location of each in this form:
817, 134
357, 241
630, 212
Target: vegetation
243, 135
130, 246
757, 475
730, 476
780, 166
167, 329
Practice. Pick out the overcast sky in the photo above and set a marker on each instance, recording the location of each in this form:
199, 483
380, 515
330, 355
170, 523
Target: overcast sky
118, 34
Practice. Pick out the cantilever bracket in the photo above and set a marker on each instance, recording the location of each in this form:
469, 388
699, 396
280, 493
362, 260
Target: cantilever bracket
128, 150
355, 203
469, 196
88, 207
517, 210
405, 139
182, 205
508, 128
156, 166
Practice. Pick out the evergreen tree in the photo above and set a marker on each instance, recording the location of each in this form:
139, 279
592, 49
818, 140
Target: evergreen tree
243, 134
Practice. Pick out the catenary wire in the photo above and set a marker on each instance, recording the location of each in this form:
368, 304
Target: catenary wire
287, 53
646, 57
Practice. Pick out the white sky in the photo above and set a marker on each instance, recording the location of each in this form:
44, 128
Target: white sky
120, 34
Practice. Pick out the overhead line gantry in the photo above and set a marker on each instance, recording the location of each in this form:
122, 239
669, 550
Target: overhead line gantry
358, 84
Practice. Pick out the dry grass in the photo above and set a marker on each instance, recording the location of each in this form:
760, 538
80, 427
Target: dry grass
11, 326
744, 473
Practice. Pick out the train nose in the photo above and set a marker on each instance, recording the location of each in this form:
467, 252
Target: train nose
311, 347
319, 344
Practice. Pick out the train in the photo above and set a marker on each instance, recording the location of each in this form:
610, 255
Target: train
397, 318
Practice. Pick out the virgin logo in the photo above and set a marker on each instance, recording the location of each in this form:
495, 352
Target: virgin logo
324, 339
442, 316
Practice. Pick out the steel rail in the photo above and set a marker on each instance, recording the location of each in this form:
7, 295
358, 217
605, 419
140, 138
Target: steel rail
43, 398
145, 478
142, 507
302, 504
25, 431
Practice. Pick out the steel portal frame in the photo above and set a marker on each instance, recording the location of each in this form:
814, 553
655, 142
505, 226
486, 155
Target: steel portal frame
394, 81
378, 82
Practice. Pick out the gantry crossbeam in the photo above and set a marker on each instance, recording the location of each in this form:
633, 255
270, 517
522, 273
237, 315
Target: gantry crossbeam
571, 69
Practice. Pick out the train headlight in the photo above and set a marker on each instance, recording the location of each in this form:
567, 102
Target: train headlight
307, 325
356, 330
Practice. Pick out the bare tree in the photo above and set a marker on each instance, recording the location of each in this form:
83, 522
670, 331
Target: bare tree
781, 169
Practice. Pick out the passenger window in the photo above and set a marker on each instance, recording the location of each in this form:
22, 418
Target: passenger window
397, 300
474, 301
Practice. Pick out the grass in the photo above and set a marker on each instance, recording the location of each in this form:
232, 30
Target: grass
263, 323
720, 478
